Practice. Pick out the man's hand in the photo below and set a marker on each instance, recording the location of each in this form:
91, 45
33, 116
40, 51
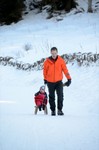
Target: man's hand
45, 81
67, 83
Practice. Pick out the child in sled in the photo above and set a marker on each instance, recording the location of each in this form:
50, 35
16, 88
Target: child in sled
41, 100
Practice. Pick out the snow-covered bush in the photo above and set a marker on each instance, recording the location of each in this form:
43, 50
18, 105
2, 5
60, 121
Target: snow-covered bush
27, 47
81, 59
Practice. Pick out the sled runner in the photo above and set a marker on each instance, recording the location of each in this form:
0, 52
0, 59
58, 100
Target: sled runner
37, 108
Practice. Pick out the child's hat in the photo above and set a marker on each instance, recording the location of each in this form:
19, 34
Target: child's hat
42, 87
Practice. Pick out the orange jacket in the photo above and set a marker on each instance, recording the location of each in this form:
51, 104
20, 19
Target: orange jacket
53, 71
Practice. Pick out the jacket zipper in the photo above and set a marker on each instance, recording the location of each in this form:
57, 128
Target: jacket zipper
54, 71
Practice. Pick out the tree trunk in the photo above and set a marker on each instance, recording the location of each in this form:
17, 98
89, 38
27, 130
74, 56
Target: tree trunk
90, 6
68, 5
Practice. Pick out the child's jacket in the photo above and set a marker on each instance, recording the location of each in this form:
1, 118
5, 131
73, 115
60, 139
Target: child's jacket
40, 98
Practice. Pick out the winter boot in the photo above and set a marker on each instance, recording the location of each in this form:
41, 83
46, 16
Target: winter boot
60, 113
53, 113
40, 107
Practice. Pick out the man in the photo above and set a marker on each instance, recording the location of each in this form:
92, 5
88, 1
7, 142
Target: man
53, 70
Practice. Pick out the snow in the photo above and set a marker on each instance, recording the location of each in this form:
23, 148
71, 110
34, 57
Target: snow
79, 32
21, 129
78, 129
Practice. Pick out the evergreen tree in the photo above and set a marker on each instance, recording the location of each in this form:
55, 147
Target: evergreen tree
90, 6
10, 11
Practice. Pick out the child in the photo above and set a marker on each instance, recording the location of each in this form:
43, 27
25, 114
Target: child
41, 100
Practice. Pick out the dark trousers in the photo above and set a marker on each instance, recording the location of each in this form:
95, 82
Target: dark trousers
58, 87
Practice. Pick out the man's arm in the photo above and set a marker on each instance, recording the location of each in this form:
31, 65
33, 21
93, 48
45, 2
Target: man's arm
45, 72
65, 70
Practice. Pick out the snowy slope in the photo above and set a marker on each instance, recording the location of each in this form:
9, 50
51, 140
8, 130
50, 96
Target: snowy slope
78, 129
79, 32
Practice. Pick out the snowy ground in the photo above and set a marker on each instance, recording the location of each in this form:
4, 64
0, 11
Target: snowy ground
78, 129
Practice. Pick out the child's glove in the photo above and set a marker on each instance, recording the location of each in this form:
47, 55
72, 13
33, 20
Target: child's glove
45, 101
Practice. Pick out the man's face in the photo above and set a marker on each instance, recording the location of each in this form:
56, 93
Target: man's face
54, 54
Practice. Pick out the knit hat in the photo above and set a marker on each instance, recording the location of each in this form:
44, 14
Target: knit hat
42, 87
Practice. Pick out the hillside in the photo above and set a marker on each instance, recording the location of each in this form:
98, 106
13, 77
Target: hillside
28, 41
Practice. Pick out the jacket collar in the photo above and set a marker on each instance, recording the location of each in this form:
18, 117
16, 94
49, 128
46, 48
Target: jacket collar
53, 60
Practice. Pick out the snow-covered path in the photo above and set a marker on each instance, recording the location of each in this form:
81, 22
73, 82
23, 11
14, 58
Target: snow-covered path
20, 129
22, 132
